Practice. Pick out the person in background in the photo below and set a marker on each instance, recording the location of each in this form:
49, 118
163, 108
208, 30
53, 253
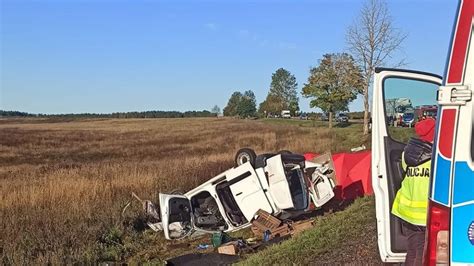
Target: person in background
411, 201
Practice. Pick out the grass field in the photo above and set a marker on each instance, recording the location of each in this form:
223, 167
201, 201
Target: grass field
63, 184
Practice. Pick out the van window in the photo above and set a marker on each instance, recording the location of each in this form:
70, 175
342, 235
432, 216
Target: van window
407, 101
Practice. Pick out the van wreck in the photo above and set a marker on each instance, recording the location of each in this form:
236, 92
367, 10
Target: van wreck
282, 184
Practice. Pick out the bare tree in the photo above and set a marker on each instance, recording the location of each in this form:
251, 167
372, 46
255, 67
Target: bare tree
216, 110
372, 40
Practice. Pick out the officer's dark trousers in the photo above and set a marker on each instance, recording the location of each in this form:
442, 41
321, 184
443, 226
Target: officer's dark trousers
415, 243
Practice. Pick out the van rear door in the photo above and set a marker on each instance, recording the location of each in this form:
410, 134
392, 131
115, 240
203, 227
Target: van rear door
395, 91
176, 216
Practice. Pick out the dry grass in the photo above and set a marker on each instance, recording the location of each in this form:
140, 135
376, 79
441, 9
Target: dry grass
63, 184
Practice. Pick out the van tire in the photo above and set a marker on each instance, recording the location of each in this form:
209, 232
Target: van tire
245, 155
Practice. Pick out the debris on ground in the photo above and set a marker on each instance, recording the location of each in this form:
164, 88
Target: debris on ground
220, 238
267, 230
360, 148
203, 246
301, 226
230, 248
265, 222
269, 227
148, 207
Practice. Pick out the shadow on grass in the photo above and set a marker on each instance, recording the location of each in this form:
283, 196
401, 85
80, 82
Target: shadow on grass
343, 124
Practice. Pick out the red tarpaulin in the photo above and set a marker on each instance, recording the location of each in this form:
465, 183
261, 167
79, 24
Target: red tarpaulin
352, 174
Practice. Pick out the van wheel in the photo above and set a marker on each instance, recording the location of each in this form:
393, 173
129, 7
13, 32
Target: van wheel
285, 152
245, 155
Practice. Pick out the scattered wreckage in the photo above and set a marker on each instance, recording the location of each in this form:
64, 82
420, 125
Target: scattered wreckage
281, 184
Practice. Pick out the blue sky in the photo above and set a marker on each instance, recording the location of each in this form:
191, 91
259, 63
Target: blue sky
106, 56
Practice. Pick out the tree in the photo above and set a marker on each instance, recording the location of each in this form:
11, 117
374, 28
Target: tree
334, 83
216, 110
372, 40
294, 106
282, 94
271, 105
234, 100
247, 106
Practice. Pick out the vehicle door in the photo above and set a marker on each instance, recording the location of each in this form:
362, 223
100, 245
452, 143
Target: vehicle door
176, 217
393, 92
321, 189
322, 180
278, 183
247, 190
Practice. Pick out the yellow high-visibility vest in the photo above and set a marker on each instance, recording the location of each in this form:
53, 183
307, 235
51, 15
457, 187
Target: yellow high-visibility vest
411, 201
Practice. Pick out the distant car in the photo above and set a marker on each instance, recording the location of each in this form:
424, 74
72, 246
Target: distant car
324, 117
342, 118
304, 117
276, 183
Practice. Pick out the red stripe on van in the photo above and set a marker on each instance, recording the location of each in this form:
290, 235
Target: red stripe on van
459, 49
446, 132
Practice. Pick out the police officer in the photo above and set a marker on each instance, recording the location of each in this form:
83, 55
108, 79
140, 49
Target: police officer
411, 201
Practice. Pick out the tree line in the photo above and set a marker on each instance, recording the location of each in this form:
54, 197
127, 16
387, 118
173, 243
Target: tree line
339, 77
145, 114
282, 96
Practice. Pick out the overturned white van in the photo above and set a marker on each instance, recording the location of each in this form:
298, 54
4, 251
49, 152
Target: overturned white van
276, 183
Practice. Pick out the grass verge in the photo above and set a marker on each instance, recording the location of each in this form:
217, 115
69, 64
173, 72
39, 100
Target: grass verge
347, 236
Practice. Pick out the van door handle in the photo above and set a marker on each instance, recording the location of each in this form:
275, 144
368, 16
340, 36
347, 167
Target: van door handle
238, 194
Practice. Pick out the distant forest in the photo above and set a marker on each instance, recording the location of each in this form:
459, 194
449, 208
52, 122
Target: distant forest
146, 114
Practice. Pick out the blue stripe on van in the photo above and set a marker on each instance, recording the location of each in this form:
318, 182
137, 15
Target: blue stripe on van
441, 184
461, 231
463, 183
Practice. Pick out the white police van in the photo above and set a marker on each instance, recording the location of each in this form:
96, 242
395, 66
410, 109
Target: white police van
450, 225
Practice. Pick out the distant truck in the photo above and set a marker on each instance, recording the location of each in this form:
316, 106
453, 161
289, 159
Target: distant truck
396, 108
285, 114
408, 118
425, 111
411, 117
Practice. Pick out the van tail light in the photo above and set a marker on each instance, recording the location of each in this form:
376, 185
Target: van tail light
437, 236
